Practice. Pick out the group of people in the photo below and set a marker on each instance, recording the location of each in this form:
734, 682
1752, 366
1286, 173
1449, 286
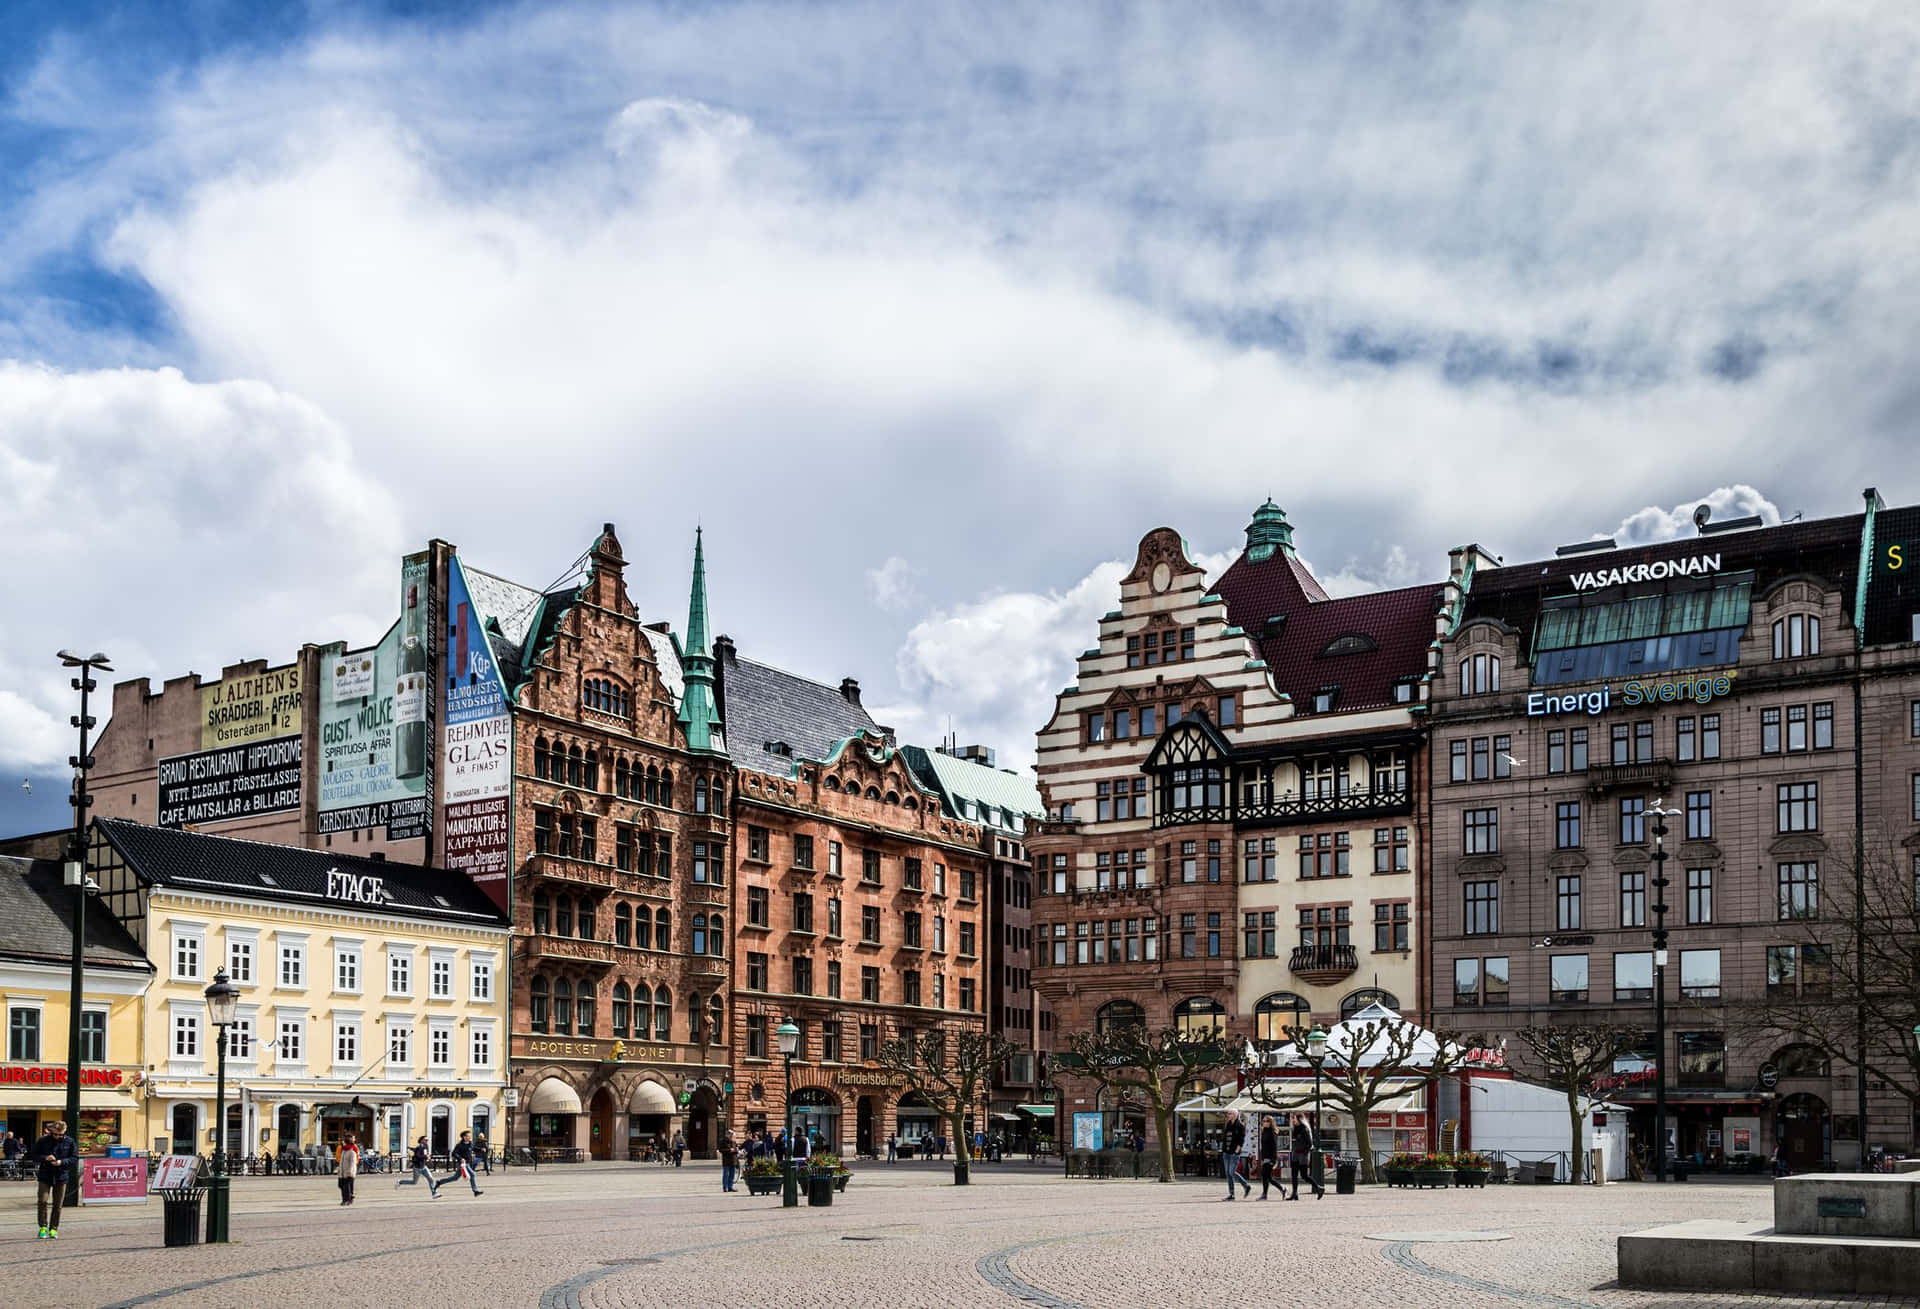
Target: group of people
736, 1153
1237, 1163
929, 1145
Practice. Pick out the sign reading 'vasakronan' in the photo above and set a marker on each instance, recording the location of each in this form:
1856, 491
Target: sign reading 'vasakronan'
1658, 570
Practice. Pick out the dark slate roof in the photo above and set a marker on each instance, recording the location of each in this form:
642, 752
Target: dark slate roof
194, 861
36, 920
1399, 623
761, 704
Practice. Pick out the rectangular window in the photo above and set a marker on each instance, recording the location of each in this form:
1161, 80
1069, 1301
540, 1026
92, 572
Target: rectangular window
1577, 749
1796, 636
1258, 855
1633, 977
1566, 904
1096, 727
1703, 1059
1699, 896
1700, 974
910, 986
870, 984
399, 973
756, 1036
1685, 742
1823, 726
186, 1036
482, 979
1569, 979
1622, 744
835, 857
481, 1053
802, 911
939, 990
910, 872
1709, 736
293, 965
967, 998
93, 1038
757, 906
1458, 755
833, 915
1633, 899
803, 852
1796, 727
802, 975
870, 867
967, 881
441, 975
1557, 751
293, 1032
23, 1034
1633, 820
870, 924
966, 938
1770, 731
912, 929
1916, 797
1122, 724
1482, 901
1466, 982
1390, 850
1799, 890
399, 1045
346, 970
1229, 711
1699, 815
1390, 926
830, 1043
1798, 806
1189, 936
1213, 936
240, 962
1503, 756
346, 1043
1566, 829
1482, 760
1493, 970
1643, 742
186, 956
756, 971
1482, 831
869, 1041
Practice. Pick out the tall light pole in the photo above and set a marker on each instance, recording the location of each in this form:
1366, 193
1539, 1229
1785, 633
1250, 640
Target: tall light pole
76, 877
222, 997
1660, 814
1317, 1056
789, 1038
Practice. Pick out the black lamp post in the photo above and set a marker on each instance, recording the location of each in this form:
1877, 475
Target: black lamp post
222, 997
789, 1037
1317, 1056
76, 877
1660, 813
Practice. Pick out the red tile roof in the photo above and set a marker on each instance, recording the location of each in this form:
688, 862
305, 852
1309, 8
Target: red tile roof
1400, 623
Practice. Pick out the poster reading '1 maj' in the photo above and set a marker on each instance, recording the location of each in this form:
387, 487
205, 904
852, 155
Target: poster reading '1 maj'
478, 750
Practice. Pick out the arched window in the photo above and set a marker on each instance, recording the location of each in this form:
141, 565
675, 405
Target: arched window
716, 1014
893, 797
1119, 1013
540, 757
563, 1007
622, 925
1796, 636
1198, 1014
583, 1010
1274, 1014
537, 1004
699, 795
833, 784
574, 761
642, 929
620, 1008
542, 915
1360, 999
620, 777
563, 916
1801, 1061
586, 919
653, 785
912, 803
590, 775
663, 1015
696, 1013
666, 787
662, 935
699, 945
873, 793
716, 935
1480, 674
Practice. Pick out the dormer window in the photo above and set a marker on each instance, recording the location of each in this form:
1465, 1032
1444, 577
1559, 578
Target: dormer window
1796, 636
1403, 692
1323, 699
1351, 643
1480, 674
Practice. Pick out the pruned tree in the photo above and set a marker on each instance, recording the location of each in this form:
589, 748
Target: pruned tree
1154, 1063
1378, 1053
1571, 1057
951, 1071
1847, 958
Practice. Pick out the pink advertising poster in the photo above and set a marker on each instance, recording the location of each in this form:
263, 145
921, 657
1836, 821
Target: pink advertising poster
113, 1181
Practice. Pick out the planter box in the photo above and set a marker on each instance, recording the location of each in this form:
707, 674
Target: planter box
1398, 1176
1425, 1177
763, 1185
1470, 1177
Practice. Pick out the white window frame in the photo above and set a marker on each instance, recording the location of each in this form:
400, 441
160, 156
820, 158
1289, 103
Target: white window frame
400, 1025
196, 1011
297, 1019
347, 1024
344, 950
178, 934
39, 1007
246, 1018
106, 1031
250, 938
282, 943
403, 955
435, 958
480, 965
477, 1032
439, 1029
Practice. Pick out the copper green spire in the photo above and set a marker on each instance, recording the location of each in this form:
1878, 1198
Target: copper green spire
1269, 531
699, 714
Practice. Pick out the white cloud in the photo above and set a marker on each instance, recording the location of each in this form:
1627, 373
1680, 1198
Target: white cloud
1396, 569
1645, 526
892, 585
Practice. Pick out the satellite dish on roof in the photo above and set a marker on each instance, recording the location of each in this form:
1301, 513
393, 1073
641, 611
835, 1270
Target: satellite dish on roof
1700, 517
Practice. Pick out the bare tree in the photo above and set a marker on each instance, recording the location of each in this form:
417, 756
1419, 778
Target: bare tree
1571, 1057
949, 1070
1156, 1064
1380, 1057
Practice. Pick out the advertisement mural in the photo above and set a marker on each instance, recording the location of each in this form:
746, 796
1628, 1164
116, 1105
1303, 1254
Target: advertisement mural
478, 751
248, 764
248, 710
373, 729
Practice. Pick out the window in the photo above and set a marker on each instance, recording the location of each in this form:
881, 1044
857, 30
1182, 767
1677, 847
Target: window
1566, 904
1325, 927
939, 879
1260, 934
833, 978
1633, 899
400, 972
23, 1033
1633, 820
830, 1042
1796, 727
1770, 731
1798, 805
293, 1035
399, 1043
1703, 1059
1325, 855
1804, 970
1482, 760
1799, 890
802, 913
1633, 977
967, 934
756, 971
1466, 982
293, 965
911, 929
1480, 981
698, 931
966, 883
1700, 974
186, 955
186, 1037
441, 973
1096, 727
1494, 980
240, 962
1390, 850
870, 924
909, 872
1122, 724
757, 907
1557, 751
802, 975
346, 968
756, 1036
910, 986
1621, 737
620, 1008
563, 1007
662, 1015
869, 1041
803, 853
939, 990
537, 1004
1479, 674
1482, 831
1699, 896
1686, 742
1699, 815
1482, 907
1569, 979
481, 1053
1229, 712
1823, 726
1566, 825
346, 1043
93, 1038
703, 871
1796, 636
1058, 882
1390, 925
642, 928
870, 984
1643, 742
1457, 761
1577, 749
869, 866
1257, 861
1709, 736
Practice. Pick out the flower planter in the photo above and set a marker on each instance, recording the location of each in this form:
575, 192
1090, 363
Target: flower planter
763, 1185
1425, 1177
1399, 1176
840, 1181
1470, 1177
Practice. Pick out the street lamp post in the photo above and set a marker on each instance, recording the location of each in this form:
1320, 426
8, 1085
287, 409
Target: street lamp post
222, 996
1660, 814
76, 877
1317, 1056
789, 1037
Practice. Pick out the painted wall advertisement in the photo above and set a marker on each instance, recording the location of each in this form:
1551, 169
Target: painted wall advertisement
478, 754
248, 763
374, 727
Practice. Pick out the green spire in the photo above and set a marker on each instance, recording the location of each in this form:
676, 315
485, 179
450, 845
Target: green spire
699, 714
1269, 531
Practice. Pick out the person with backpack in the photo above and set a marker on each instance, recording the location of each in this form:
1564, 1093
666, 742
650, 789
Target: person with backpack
417, 1161
463, 1164
55, 1156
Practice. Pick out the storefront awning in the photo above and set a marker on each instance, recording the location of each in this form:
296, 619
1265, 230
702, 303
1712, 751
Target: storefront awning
54, 1099
1037, 1110
1011, 1118
553, 1096
342, 1111
648, 1098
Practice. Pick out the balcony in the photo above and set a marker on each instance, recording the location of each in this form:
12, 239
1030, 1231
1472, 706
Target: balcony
1323, 965
576, 872
706, 966
1654, 775
1294, 809
568, 949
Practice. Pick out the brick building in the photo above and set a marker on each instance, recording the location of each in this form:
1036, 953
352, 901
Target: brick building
1763, 683
859, 907
1232, 781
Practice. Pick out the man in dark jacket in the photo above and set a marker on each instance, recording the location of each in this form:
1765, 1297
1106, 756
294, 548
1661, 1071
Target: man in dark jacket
1300, 1154
1233, 1147
417, 1161
55, 1154
463, 1164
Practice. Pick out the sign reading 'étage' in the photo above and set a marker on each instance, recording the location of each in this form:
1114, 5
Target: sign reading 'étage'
355, 890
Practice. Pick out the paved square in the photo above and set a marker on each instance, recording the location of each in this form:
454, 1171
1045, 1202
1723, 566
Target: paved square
619, 1235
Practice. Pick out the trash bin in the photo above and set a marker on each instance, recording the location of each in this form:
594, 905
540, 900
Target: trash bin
1679, 1172
819, 1188
1343, 1175
180, 1215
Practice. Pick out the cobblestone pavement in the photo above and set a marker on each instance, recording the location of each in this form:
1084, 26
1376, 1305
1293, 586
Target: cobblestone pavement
614, 1236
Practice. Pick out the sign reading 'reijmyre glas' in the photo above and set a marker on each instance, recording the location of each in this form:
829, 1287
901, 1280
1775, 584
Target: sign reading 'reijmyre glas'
479, 744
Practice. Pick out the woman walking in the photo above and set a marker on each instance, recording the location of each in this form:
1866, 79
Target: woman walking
349, 1168
1300, 1155
1269, 1152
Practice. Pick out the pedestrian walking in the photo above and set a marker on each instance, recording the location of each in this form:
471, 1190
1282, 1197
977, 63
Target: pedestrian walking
482, 1155
1233, 1146
729, 1160
802, 1147
679, 1149
893, 1147
417, 1161
9, 1146
1300, 1156
463, 1164
349, 1168
1269, 1152
55, 1155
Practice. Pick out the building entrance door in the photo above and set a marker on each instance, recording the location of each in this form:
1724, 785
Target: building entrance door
184, 1117
700, 1116
863, 1126
1801, 1122
600, 1144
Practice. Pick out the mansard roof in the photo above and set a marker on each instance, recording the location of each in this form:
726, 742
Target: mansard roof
764, 707
1007, 797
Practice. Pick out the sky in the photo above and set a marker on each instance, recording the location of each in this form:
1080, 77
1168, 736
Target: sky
925, 313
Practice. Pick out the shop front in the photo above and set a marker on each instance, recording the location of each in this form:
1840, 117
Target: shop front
33, 1095
816, 1115
586, 1099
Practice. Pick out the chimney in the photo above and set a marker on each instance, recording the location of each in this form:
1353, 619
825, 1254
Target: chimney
723, 652
850, 691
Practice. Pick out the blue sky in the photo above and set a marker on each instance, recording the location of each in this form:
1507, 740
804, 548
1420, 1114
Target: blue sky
927, 313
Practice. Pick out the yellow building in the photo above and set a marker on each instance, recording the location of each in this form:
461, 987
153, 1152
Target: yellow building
36, 952
373, 994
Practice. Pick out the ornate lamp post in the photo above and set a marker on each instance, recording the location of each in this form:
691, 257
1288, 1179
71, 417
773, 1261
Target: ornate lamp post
789, 1037
76, 877
1317, 1056
222, 997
